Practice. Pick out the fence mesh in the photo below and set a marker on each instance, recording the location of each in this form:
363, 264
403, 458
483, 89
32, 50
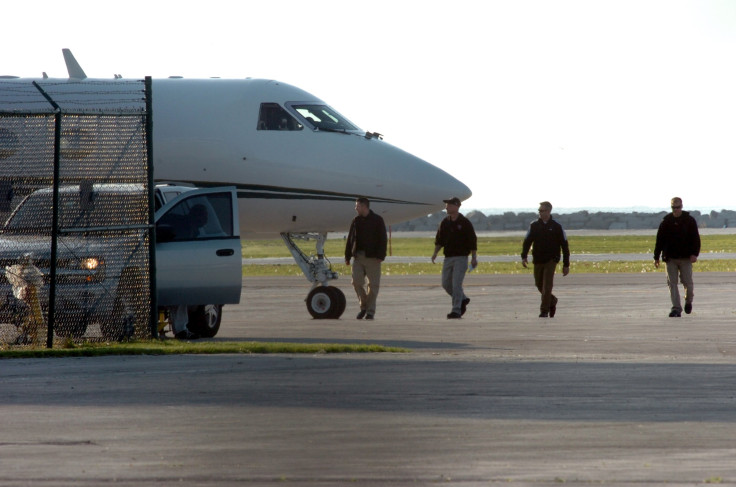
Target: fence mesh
74, 249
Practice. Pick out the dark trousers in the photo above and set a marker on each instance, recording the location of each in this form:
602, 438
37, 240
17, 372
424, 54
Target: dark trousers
544, 275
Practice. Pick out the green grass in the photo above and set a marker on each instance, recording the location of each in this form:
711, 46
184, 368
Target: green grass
579, 246
173, 347
406, 247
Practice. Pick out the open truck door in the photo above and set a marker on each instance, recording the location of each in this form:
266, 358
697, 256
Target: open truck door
198, 254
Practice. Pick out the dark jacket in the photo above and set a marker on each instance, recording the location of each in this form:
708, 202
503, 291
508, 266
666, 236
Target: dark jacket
457, 237
547, 239
677, 238
367, 234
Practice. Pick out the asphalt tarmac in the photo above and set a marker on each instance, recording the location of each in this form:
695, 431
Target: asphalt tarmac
610, 391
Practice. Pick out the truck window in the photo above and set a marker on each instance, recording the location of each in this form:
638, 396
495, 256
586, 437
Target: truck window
199, 217
34, 214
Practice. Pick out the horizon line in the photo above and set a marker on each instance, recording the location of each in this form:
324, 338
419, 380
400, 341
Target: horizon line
593, 209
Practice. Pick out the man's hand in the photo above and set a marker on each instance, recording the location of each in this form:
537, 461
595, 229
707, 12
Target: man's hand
434, 256
693, 258
347, 262
656, 263
524, 262
565, 270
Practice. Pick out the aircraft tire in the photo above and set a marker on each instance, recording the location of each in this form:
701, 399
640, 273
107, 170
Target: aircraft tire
324, 303
341, 301
205, 320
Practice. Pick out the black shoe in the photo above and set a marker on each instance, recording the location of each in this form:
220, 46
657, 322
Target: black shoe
543, 314
186, 335
688, 308
453, 316
360, 315
464, 306
369, 317
552, 311
674, 314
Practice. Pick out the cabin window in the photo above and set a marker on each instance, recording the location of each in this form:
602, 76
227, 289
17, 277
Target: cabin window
323, 117
273, 117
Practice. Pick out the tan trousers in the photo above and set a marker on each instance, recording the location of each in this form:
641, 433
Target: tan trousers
544, 276
366, 269
683, 268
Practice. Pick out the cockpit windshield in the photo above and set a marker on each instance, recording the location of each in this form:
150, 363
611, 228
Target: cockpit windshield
323, 117
274, 117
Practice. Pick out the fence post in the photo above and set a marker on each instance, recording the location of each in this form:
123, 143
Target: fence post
151, 207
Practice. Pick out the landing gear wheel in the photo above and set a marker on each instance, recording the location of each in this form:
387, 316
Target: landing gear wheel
205, 320
325, 302
341, 301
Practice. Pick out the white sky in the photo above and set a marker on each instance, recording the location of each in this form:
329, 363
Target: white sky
621, 103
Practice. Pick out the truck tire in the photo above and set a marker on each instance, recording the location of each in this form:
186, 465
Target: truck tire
205, 320
72, 325
128, 309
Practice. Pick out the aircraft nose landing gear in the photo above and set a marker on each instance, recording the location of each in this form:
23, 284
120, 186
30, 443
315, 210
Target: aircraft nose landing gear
326, 302
323, 301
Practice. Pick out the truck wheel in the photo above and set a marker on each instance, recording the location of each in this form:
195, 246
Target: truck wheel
72, 325
121, 324
323, 302
205, 320
128, 309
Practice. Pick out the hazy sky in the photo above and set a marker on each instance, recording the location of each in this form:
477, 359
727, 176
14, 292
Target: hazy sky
584, 103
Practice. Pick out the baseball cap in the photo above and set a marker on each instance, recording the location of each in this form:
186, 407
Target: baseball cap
453, 201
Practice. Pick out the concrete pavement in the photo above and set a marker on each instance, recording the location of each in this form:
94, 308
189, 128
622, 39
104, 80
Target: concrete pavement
611, 391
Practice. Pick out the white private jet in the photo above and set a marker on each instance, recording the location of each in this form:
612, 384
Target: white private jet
298, 164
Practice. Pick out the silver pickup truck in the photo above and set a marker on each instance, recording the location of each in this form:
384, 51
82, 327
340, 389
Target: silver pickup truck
198, 255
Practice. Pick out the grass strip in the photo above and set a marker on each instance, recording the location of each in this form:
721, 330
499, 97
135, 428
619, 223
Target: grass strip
412, 246
176, 347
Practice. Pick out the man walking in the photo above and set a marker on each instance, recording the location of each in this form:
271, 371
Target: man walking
546, 237
678, 240
457, 236
366, 244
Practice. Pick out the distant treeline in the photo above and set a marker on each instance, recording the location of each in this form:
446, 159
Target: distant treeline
581, 220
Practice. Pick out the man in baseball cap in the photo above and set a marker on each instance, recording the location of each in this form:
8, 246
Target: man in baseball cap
457, 236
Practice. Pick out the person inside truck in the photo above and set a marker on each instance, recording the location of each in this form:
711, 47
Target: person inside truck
197, 220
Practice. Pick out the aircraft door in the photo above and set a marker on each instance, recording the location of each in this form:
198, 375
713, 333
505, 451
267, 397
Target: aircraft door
198, 256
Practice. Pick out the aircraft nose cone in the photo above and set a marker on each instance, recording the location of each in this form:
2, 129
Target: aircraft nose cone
456, 188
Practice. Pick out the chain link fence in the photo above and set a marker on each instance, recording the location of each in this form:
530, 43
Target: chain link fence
75, 198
